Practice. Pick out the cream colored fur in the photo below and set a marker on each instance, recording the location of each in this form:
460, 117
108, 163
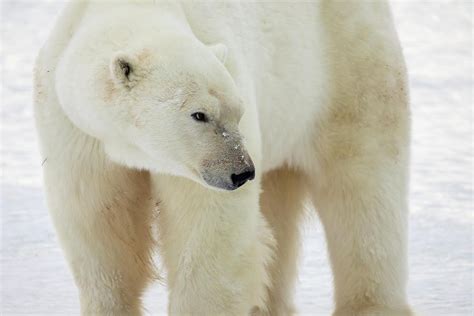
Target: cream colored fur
313, 94
282, 204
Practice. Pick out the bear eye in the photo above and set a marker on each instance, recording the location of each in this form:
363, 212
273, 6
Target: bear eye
199, 116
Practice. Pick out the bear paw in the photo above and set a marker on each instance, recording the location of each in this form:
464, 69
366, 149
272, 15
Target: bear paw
280, 310
374, 311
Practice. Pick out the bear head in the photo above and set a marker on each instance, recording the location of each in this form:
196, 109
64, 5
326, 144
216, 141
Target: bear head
167, 105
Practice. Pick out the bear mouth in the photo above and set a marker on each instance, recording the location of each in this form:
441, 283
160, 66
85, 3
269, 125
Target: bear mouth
217, 182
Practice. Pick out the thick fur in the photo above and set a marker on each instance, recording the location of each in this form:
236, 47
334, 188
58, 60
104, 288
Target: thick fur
312, 94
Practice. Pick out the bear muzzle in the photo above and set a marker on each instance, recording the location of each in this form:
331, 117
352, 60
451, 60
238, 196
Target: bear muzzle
228, 174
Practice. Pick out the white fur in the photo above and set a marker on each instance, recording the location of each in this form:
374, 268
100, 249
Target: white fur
313, 94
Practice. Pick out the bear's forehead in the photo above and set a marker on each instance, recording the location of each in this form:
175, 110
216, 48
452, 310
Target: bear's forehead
192, 87
228, 102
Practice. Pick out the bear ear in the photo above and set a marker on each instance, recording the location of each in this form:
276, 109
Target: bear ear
220, 50
122, 69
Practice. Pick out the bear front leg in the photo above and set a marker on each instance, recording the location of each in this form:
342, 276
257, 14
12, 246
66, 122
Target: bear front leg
101, 213
364, 214
360, 180
215, 246
360, 192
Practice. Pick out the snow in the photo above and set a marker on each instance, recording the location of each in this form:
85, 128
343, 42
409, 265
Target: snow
437, 40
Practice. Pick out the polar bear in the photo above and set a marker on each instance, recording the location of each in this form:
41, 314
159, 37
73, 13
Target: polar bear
219, 120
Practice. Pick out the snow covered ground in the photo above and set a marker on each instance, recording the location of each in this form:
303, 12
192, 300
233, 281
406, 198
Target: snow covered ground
437, 38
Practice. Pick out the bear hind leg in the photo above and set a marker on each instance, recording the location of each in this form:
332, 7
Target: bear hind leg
281, 202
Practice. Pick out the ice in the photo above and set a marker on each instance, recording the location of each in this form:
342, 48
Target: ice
437, 40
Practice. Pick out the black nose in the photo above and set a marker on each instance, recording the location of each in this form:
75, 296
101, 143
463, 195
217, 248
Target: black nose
239, 179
